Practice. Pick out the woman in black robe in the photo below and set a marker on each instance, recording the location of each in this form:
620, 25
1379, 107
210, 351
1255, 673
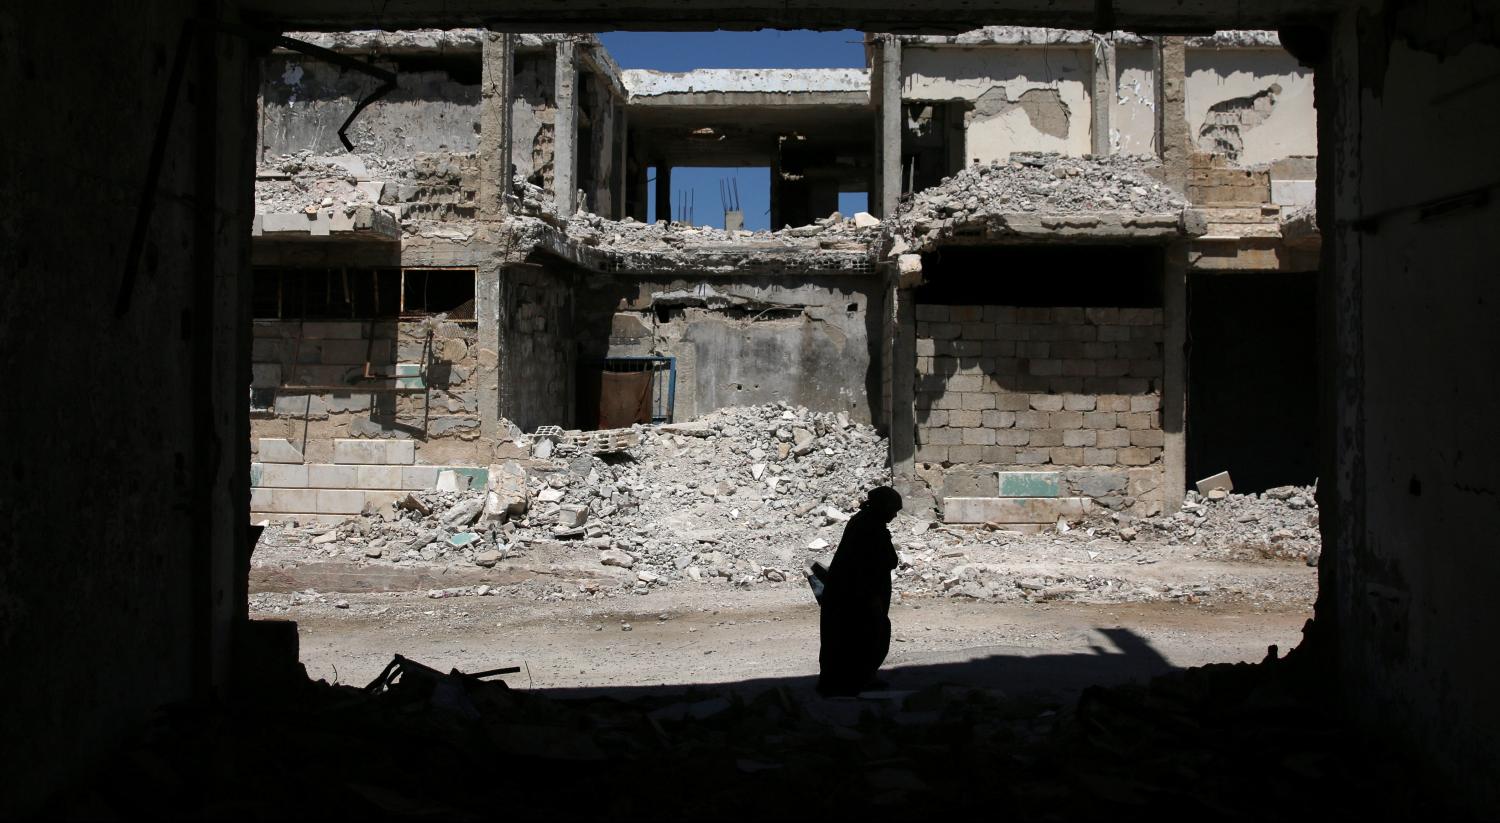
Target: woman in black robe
855, 623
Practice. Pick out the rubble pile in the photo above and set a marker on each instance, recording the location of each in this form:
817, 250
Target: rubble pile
1045, 183
834, 232
1279, 523
750, 497
304, 181
744, 496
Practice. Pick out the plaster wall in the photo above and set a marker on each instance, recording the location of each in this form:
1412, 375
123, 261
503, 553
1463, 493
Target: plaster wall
304, 101
809, 341
1023, 98
1132, 115
1252, 106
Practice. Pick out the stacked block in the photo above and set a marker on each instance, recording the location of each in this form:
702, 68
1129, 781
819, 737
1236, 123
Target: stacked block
1034, 386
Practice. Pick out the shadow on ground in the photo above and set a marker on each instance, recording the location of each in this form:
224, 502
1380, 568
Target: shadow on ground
1239, 742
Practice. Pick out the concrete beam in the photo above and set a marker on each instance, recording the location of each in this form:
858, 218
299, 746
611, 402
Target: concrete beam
890, 125
751, 99
934, 17
565, 131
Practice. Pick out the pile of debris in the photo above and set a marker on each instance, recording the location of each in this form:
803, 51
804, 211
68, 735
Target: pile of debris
1279, 523
750, 497
834, 232
1043, 183
744, 496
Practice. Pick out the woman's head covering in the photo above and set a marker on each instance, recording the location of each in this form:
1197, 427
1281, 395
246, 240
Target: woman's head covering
883, 499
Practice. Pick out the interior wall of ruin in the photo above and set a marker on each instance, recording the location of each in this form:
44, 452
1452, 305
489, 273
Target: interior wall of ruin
1132, 112
95, 640
1251, 106
533, 116
811, 341
1408, 489
538, 350
1003, 388
1022, 98
304, 101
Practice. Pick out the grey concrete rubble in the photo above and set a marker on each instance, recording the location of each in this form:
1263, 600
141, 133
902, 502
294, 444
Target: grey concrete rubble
749, 497
1045, 183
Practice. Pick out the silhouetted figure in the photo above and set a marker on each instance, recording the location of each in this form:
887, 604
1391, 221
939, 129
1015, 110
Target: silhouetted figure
855, 623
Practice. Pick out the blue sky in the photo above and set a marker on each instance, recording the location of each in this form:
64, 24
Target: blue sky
684, 51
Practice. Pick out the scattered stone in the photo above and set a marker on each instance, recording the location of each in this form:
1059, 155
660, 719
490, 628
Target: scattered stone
615, 557
487, 559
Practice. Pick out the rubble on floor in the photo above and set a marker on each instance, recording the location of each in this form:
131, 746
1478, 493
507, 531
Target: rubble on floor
1224, 742
1043, 182
835, 232
750, 497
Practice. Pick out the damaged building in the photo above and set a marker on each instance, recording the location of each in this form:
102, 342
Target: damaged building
1015, 311
129, 227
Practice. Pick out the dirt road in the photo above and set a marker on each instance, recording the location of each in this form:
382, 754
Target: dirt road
702, 636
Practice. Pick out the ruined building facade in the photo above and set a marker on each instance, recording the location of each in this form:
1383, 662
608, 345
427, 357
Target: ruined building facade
1084, 279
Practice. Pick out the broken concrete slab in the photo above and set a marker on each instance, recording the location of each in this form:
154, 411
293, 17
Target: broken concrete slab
1216, 481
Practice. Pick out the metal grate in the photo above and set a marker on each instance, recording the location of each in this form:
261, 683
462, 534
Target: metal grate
664, 381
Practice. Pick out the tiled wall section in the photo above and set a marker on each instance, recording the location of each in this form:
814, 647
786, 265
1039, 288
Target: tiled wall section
1024, 386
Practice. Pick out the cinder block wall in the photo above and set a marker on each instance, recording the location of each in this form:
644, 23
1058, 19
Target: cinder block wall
443, 419
540, 356
1006, 387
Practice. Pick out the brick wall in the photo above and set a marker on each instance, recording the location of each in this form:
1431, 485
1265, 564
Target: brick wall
1004, 387
442, 413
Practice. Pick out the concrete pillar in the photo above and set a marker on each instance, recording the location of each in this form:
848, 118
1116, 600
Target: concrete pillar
1172, 143
1174, 375
663, 191
621, 176
1103, 94
565, 131
903, 384
497, 69
890, 126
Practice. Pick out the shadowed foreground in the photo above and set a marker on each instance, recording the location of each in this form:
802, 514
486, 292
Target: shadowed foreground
1250, 742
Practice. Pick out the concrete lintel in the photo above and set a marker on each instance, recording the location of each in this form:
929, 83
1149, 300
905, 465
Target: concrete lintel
646, 85
752, 99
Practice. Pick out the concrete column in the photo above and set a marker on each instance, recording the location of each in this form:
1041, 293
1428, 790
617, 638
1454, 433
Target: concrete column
1103, 94
663, 192
1174, 375
496, 76
565, 131
1172, 143
903, 386
621, 177
890, 125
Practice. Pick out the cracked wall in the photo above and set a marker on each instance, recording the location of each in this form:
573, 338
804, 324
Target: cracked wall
1250, 106
1020, 98
1132, 114
305, 100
